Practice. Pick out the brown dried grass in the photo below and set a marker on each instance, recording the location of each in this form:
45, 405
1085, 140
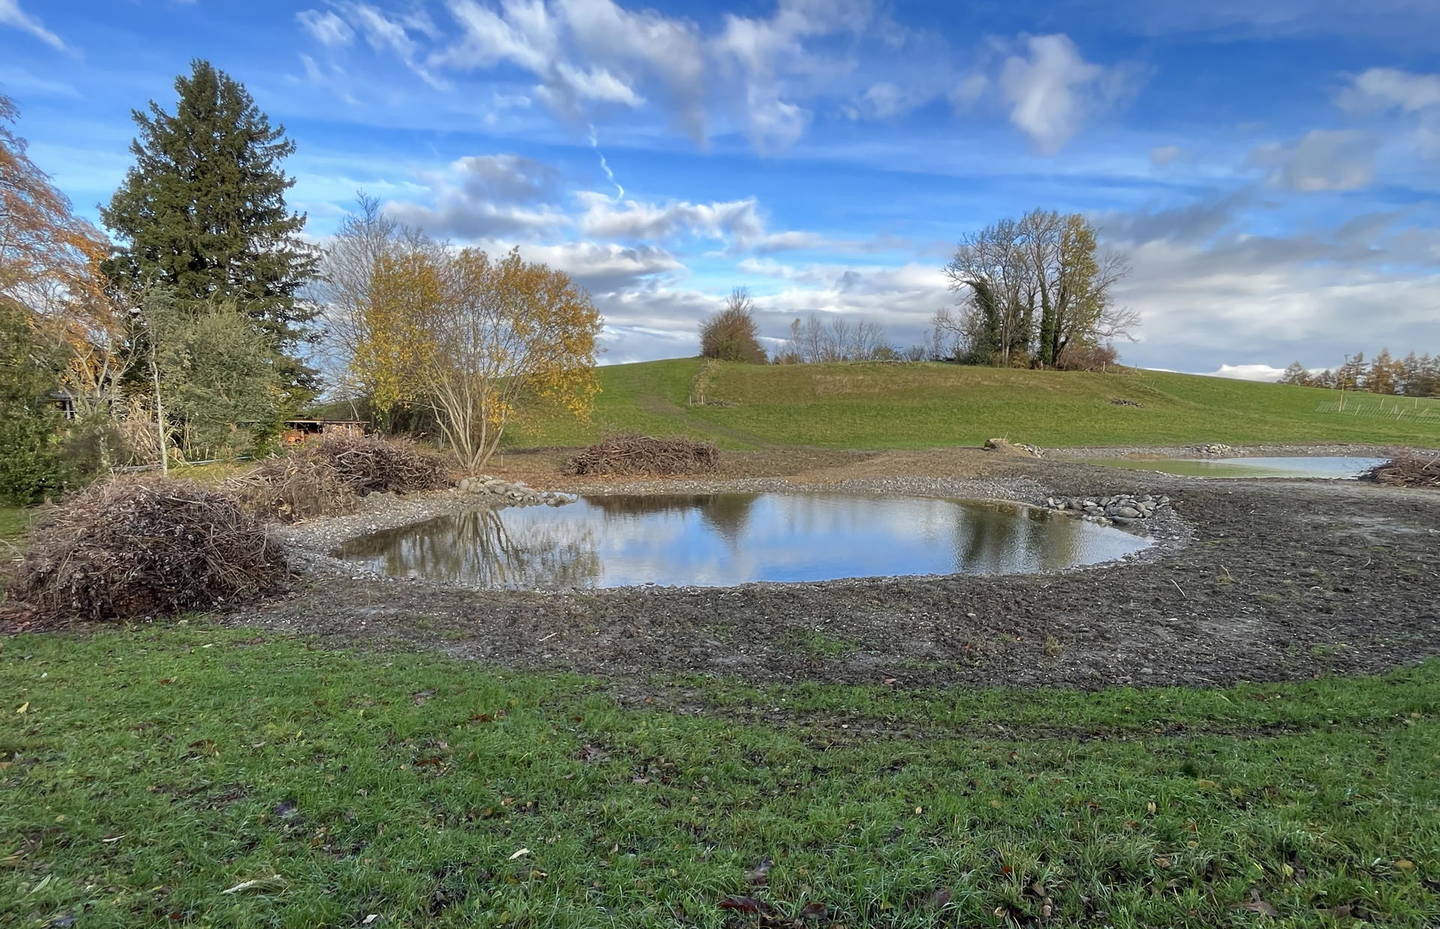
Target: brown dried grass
328, 476
1408, 470
642, 454
148, 546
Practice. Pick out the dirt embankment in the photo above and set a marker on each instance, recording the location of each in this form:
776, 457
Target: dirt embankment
1278, 580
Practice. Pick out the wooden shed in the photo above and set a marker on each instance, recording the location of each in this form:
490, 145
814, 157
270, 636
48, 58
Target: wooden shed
300, 430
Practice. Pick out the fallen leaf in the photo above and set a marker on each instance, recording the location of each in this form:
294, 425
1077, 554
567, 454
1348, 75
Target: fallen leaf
520, 854
940, 897
814, 911
1405, 864
24, 707
747, 905
760, 873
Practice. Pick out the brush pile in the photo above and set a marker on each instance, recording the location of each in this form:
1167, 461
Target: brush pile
144, 547
1408, 470
328, 476
643, 454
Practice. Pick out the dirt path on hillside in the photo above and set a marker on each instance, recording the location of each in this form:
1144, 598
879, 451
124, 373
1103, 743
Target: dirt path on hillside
1279, 580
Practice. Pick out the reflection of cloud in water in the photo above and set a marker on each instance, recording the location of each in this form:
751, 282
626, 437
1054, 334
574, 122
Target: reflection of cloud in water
724, 539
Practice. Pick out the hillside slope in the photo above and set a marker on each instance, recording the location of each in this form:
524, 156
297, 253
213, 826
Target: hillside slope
927, 405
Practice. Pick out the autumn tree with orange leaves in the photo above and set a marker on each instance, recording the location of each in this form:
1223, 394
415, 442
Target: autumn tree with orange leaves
50, 274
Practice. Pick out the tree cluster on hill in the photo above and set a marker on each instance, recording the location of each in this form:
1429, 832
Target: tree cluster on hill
1036, 291
1411, 376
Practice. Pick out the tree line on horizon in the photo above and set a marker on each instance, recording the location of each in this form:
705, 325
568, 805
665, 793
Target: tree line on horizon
1411, 376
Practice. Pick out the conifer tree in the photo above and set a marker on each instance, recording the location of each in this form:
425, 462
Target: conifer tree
203, 214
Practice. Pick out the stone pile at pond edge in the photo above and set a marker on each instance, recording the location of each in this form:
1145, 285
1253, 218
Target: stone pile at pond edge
1118, 509
510, 493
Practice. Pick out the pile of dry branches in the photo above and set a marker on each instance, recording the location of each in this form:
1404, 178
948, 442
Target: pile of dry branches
327, 476
145, 547
643, 454
1408, 470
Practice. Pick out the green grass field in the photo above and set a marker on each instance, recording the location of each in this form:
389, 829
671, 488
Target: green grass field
929, 405
198, 776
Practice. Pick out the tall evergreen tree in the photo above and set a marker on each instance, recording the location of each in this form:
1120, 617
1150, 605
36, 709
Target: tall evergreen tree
203, 214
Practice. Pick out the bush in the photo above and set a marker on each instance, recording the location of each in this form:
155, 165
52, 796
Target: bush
145, 547
1408, 470
1088, 357
730, 335
328, 476
641, 454
31, 465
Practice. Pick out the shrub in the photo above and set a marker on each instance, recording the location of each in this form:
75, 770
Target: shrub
1408, 470
730, 335
1088, 357
641, 454
145, 547
327, 476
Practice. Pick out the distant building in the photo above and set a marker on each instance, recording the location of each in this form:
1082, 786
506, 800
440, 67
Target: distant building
300, 430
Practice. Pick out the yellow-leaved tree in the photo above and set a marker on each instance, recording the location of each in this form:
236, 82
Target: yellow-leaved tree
469, 337
506, 330
406, 291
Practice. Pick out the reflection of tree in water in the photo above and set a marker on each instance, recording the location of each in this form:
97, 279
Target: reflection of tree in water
994, 539
476, 547
727, 514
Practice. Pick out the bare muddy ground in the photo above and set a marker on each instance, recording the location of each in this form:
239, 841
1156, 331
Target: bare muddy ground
1264, 580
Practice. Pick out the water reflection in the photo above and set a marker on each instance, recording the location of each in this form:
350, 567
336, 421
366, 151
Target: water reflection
727, 539
1335, 467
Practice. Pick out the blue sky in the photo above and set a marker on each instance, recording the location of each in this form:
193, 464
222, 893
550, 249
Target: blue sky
1271, 168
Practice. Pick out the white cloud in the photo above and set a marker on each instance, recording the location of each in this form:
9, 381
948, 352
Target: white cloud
1247, 372
1389, 88
485, 196
606, 268
326, 27
1052, 90
1321, 160
12, 15
630, 219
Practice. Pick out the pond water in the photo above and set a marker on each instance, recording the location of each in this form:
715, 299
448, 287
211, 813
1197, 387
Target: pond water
718, 540
1333, 467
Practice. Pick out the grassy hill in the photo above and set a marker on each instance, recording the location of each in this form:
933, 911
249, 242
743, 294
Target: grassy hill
927, 405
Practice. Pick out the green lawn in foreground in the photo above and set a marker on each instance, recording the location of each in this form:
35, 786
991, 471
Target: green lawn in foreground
144, 773
928, 405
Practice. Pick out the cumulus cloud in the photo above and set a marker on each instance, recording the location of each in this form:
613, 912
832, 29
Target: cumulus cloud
1052, 90
606, 268
12, 15
1389, 90
1321, 160
325, 27
1308, 296
630, 219
482, 196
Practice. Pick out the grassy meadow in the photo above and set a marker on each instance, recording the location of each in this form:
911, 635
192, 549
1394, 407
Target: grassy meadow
189, 775
928, 405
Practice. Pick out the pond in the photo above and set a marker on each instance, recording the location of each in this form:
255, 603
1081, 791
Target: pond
719, 540
1332, 467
